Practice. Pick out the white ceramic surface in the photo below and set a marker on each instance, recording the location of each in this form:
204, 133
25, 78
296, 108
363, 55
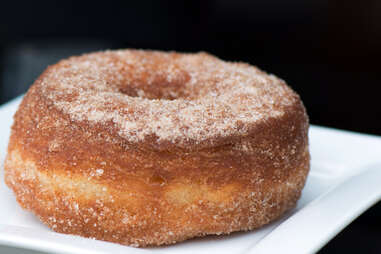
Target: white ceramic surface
343, 182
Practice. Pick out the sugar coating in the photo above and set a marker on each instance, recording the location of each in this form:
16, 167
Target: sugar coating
176, 98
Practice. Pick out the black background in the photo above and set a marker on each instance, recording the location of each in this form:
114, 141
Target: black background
328, 51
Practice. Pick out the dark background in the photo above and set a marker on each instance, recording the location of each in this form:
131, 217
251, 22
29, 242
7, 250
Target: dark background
328, 51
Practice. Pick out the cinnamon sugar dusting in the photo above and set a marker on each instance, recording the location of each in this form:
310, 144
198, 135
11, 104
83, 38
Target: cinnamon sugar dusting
173, 97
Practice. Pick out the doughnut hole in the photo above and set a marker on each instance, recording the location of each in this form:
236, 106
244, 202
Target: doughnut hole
160, 75
166, 82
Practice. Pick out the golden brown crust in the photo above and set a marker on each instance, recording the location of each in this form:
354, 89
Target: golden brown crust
84, 177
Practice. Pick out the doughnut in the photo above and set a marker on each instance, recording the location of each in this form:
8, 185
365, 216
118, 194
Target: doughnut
146, 148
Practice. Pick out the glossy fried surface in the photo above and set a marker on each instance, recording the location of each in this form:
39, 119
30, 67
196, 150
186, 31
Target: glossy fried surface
149, 148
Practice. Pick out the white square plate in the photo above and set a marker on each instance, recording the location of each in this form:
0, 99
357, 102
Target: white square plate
344, 181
